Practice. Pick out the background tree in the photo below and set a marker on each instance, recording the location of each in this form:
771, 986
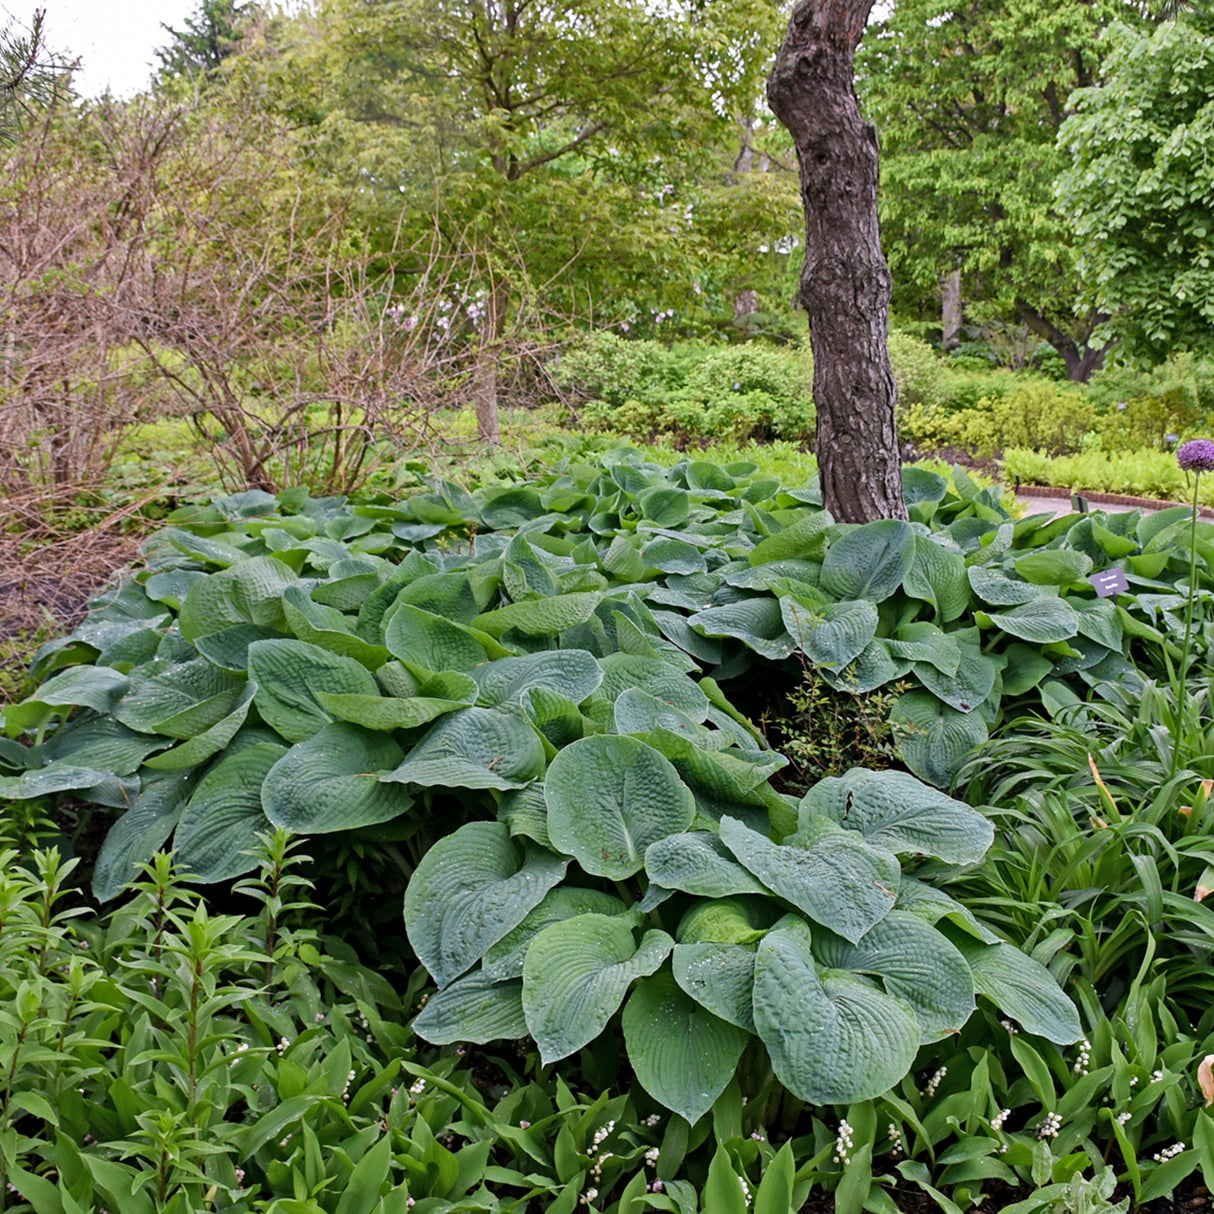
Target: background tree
31, 76
968, 101
845, 282
1140, 188
210, 36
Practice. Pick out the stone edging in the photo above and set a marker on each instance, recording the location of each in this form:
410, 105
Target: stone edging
1112, 499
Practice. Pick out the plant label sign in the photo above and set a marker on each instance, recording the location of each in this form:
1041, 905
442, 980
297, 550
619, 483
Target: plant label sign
1110, 582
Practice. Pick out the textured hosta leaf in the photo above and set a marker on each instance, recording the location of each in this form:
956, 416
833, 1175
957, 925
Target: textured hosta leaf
873, 668
183, 701
247, 593
840, 881
329, 782
92, 785
934, 738
895, 811
1054, 566
469, 890
668, 507
869, 562
938, 577
623, 560
932, 905
994, 587
832, 635
99, 743
449, 595
1023, 989
475, 1009
924, 642
757, 622
95, 687
682, 1054
474, 748
1040, 621
913, 961
738, 920
141, 832
673, 556
801, 540
557, 719
386, 712
1026, 667
721, 977
505, 959
1099, 621
966, 689
576, 975
697, 862
210, 741
654, 676
328, 628
540, 617
229, 649
833, 1038
218, 828
636, 711
609, 798
430, 641
572, 672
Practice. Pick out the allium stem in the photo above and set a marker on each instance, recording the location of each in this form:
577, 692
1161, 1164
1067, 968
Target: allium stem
1188, 631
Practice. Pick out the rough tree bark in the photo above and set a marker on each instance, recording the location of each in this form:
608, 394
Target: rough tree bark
845, 282
951, 309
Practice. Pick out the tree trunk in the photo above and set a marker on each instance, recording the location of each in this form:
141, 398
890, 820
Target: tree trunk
951, 311
1081, 360
845, 282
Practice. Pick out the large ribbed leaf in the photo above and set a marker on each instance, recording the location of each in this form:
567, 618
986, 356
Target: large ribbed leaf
799, 541
932, 905
475, 1009
895, 811
386, 712
99, 743
432, 642
95, 687
682, 1054
328, 628
609, 798
870, 561
833, 1038
833, 634
756, 622
181, 702
697, 862
211, 741
572, 672
474, 748
914, 961
1024, 989
329, 783
924, 642
719, 976
218, 828
1054, 566
654, 676
992, 586
250, 592
1041, 621
637, 711
540, 617
469, 890
934, 738
839, 880
873, 668
576, 975
968, 687
290, 673
937, 576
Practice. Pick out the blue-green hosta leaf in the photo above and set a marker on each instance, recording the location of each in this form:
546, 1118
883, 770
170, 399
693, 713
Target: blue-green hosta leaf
670, 555
524, 811
932, 905
869, 562
965, 690
895, 811
219, 825
211, 741
247, 593
100, 743
758, 623
576, 975
737, 920
430, 641
637, 711
1024, 989
1098, 620
141, 832
682, 1054
992, 586
913, 961
290, 674
1041, 621
474, 748
540, 617
623, 559
1026, 667
329, 782
933, 737
654, 676
719, 976
572, 672
558, 720
1054, 566
832, 635
469, 890
802, 540
95, 687
832, 1038
873, 668
697, 862
840, 880
185, 700
505, 959
328, 628
449, 595
938, 576
923, 642
665, 506
609, 797
475, 1009
386, 712
102, 787
229, 649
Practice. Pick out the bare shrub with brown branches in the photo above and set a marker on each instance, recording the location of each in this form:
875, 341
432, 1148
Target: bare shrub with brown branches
167, 260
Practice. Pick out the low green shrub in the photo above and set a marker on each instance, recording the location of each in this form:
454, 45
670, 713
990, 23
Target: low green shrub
1153, 474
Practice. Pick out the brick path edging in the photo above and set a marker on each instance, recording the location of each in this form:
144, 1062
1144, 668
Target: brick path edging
1110, 499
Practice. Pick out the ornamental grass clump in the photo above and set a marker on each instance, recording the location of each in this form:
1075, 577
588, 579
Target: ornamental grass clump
1196, 456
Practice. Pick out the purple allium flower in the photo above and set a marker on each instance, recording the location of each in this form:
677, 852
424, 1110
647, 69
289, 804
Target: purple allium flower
1196, 456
